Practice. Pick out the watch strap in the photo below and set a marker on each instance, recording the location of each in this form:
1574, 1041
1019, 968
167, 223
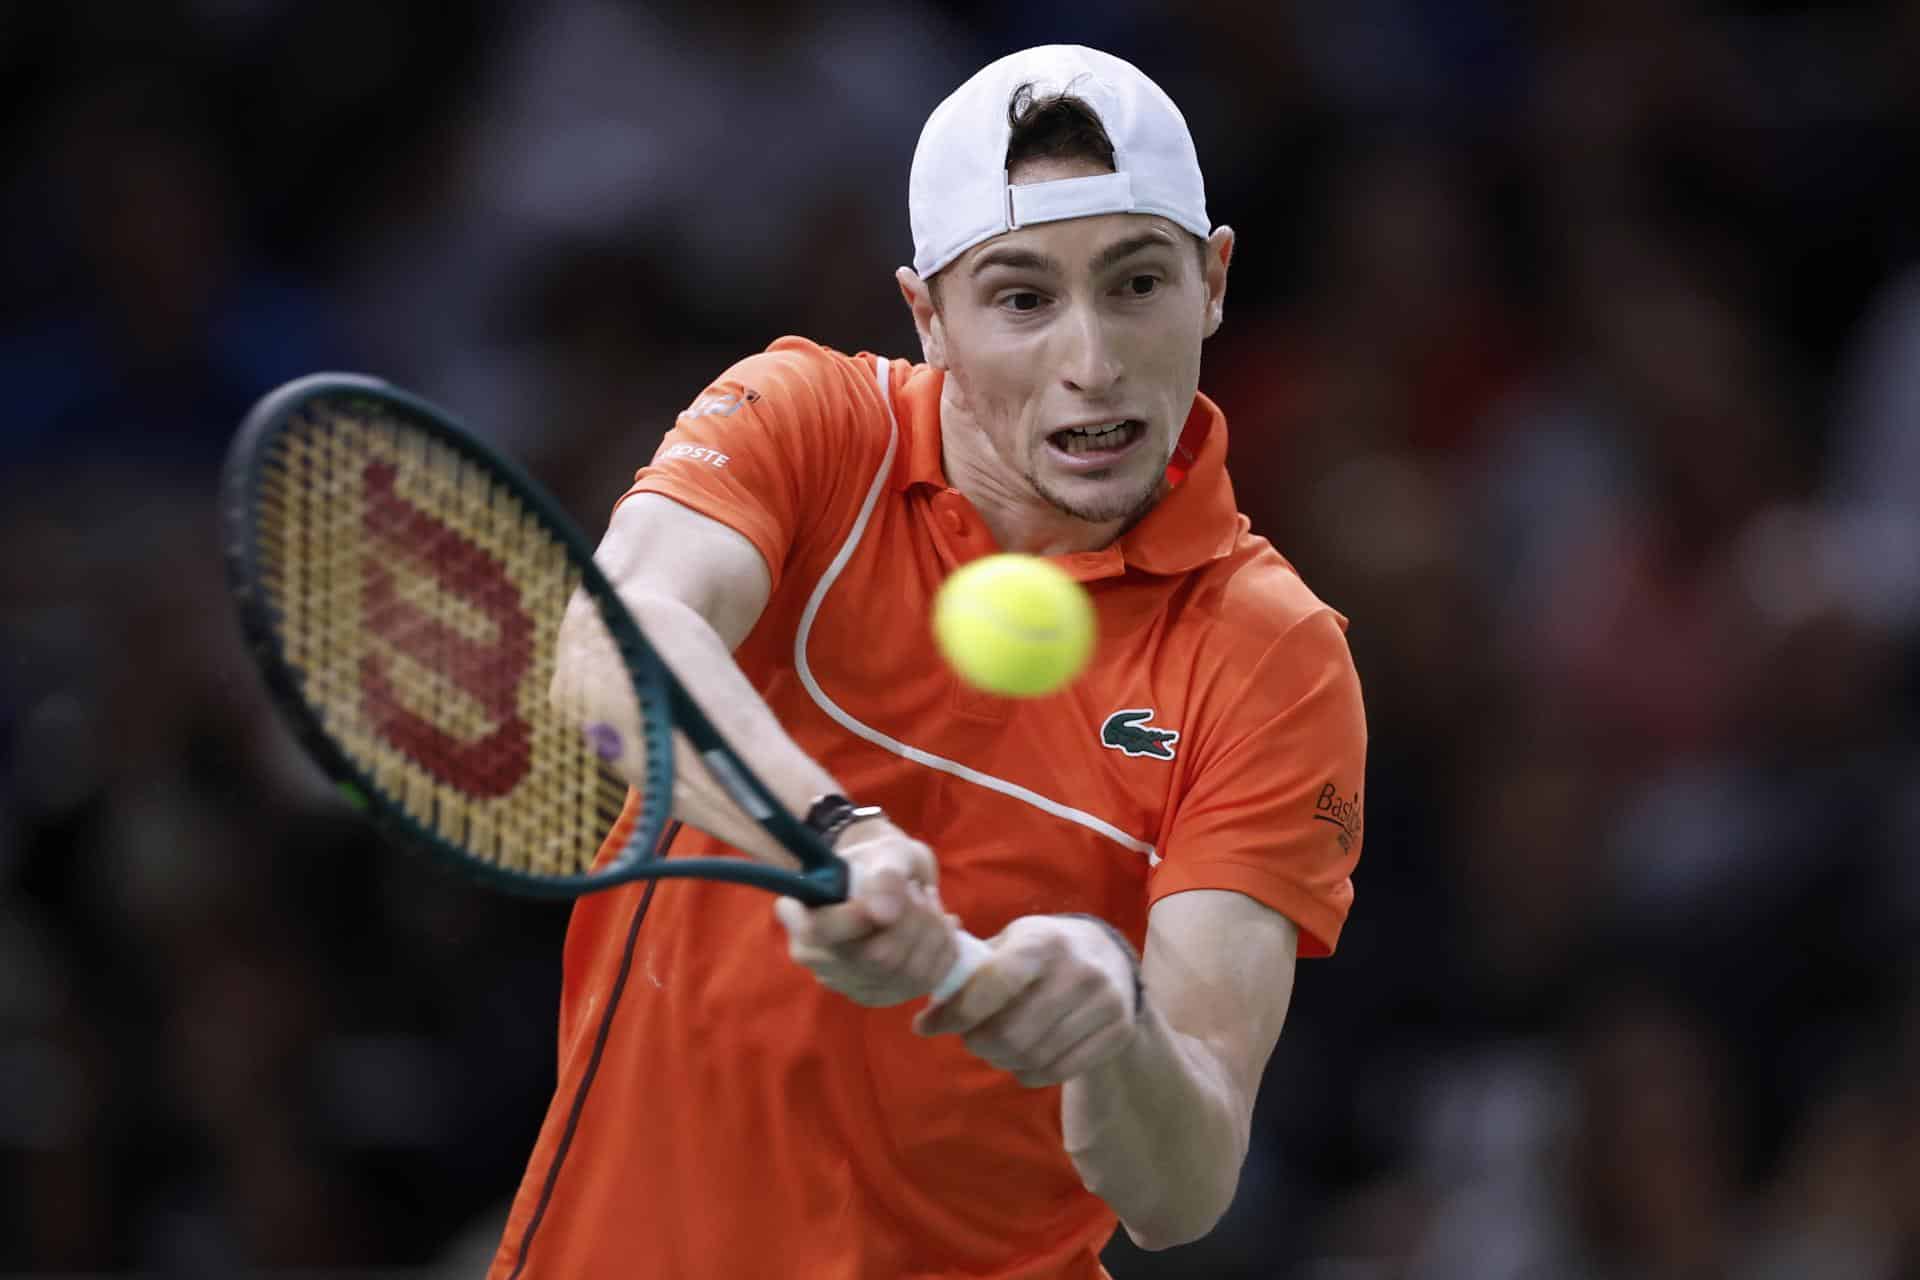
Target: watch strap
831, 815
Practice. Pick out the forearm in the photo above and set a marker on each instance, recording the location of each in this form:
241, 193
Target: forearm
699, 657
1157, 1133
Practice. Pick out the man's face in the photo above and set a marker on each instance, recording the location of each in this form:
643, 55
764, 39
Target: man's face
1076, 348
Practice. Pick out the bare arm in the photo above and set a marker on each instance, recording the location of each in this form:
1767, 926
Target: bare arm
1160, 1130
696, 588
1156, 1111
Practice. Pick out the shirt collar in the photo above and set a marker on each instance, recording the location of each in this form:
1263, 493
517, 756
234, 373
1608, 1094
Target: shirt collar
1195, 521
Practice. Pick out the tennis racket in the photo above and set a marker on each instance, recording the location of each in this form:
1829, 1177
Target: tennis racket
401, 586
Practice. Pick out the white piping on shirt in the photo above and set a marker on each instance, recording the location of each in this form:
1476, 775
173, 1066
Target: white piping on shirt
879, 739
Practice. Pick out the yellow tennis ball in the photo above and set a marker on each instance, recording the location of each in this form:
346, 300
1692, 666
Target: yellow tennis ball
1015, 625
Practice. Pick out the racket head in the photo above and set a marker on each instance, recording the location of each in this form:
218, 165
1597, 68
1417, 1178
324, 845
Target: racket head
401, 587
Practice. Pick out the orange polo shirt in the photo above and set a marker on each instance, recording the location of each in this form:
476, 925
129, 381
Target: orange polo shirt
719, 1114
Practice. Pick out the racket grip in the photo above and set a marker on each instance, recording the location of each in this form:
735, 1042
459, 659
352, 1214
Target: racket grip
969, 954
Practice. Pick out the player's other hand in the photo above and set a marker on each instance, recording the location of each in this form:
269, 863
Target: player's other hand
1054, 1000
891, 941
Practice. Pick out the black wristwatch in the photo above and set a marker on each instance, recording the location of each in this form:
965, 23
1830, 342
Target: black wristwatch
833, 814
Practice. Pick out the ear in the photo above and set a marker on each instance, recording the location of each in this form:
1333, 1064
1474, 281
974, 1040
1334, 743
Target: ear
1219, 256
927, 320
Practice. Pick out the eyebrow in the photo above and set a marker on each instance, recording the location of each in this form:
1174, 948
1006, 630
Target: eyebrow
1018, 259
1029, 260
1121, 250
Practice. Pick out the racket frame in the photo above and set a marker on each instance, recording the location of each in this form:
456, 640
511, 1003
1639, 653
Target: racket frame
822, 878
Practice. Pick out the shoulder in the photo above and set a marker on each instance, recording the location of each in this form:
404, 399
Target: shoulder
815, 378
805, 401
804, 360
1252, 614
1253, 594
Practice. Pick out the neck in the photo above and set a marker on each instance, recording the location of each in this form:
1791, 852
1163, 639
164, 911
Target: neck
1019, 518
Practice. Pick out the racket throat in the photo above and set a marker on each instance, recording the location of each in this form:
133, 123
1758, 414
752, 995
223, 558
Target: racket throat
753, 801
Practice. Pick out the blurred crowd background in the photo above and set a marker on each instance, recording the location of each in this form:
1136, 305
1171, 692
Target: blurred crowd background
1573, 350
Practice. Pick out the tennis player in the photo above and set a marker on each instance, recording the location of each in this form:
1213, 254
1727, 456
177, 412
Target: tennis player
749, 1091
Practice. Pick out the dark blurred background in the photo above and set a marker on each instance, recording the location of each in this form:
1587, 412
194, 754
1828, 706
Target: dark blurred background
1573, 350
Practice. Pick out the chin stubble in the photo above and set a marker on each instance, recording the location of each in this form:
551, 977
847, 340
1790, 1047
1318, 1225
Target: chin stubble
1123, 507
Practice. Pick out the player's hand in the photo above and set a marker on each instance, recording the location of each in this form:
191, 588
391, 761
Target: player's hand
1055, 1000
891, 941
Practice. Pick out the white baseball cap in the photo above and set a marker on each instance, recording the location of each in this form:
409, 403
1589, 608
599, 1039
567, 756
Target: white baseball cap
958, 194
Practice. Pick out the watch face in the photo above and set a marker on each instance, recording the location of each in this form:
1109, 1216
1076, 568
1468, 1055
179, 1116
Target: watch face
831, 815
826, 810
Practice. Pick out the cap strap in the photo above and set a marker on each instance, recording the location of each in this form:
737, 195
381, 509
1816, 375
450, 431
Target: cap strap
1068, 198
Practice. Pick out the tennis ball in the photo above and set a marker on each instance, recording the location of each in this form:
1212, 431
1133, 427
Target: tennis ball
1015, 625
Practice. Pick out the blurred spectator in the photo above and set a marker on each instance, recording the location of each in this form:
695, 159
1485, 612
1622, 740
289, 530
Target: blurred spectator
1571, 353
1875, 489
172, 328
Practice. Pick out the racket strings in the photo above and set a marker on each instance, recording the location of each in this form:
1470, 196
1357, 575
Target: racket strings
419, 602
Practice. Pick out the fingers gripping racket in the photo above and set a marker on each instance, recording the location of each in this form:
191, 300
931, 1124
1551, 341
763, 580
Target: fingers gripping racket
402, 586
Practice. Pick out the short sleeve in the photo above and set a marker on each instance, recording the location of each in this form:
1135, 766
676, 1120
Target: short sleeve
765, 446
1274, 810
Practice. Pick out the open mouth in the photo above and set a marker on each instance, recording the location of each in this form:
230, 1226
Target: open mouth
1099, 442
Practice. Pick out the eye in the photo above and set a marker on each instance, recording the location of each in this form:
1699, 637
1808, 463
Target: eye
1021, 300
1141, 286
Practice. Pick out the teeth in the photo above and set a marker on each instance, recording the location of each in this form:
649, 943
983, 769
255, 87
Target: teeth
1093, 439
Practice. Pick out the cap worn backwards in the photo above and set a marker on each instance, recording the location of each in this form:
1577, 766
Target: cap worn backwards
958, 194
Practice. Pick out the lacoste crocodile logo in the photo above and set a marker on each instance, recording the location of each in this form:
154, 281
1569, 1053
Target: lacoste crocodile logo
1128, 731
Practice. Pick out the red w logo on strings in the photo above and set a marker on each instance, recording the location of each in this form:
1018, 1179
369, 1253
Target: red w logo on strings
489, 672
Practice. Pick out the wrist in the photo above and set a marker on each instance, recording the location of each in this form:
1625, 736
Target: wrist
1126, 949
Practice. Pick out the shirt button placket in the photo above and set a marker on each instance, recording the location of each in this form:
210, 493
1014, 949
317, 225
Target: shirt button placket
955, 528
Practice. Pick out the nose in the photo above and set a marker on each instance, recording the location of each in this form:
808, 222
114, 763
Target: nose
1088, 363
